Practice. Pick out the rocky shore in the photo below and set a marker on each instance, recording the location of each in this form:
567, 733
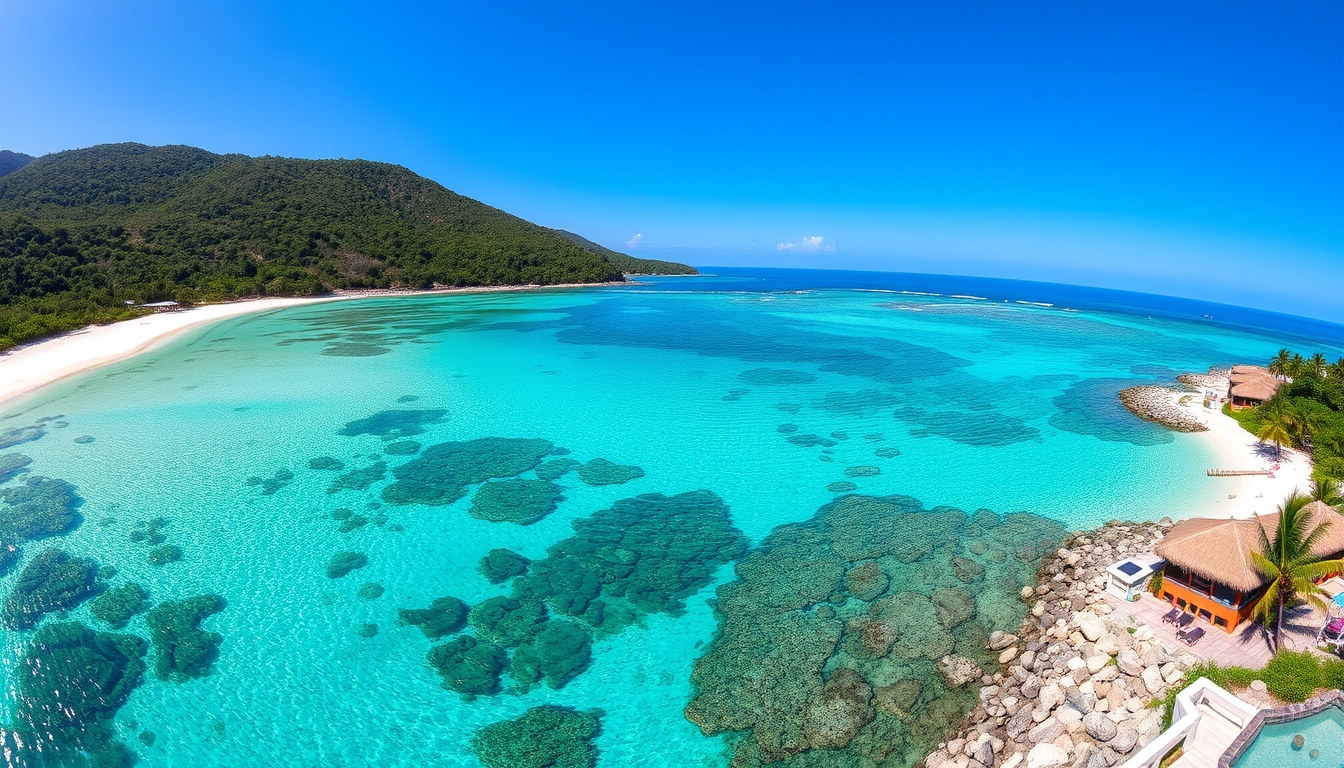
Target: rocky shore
1076, 689
1161, 405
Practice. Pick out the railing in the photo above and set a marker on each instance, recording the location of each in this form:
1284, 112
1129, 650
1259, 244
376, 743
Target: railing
1185, 717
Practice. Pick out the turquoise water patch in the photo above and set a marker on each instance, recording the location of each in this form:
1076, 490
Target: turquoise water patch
624, 574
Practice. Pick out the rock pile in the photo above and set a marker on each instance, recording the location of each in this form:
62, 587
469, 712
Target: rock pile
1076, 688
1159, 405
1215, 379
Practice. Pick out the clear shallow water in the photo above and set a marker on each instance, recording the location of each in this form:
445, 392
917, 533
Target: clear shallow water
993, 405
1323, 733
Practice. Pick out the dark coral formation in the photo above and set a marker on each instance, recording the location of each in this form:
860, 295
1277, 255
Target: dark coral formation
371, 590
467, 665
12, 464
39, 508
269, 485
603, 472
359, 479
394, 423
557, 654
775, 376
786, 429
789, 407
402, 448
556, 468
12, 437
865, 402
351, 523
84, 439
343, 563
326, 464
862, 471
72, 683
648, 553
367, 630
887, 453
442, 473
500, 565
444, 616
842, 486
116, 606
544, 737
163, 555
182, 649
51, 581
811, 441
507, 622
515, 501
9, 557
829, 638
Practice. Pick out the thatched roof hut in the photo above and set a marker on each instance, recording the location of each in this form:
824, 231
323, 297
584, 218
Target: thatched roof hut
1219, 550
1251, 382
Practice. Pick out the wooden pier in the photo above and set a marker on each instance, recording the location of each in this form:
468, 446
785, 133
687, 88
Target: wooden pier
1238, 472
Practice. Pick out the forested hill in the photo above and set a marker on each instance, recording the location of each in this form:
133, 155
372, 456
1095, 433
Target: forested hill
12, 161
626, 263
84, 231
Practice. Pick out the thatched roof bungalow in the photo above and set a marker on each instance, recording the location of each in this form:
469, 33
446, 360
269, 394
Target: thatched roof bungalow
1208, 562
1250, 385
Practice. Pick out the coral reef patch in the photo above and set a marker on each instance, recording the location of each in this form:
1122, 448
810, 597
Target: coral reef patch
831, 636
887, 453
842, 486
775, 376
182, 649
19, 435
51, 581
862, 471
500, 565
442, 473
603, 472
359, 479
394, 423
811, 441
371, 590
11, 464
165, 554
507, 622
557, 654
556, 468
467, 665
342, 563
326, 464
39, 508
116, 606
515, 501
544, 737
402, 448
444, 616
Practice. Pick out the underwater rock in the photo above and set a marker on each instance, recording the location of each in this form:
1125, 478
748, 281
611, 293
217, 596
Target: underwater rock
786, 429
515, 501
556, 468
959, 670
84, 439
343, 563
12, 464
367, 630
789, 407
603, 472
352, 522
326, 464
442, 473
843, 486
862, 403
12, 437
866, 581
71, 684
838, 435
341, 513
812, 678
116, 606
862, 471
270, 485
394, 423
51, 581
775, 377
810, 441
39, 508
558, 654
147, 738
168, 553
887, 453
500, 565
408, 398
507, 622
650, 552
544, 737
182, 649
371, 590
444, 616
967, 570
402, 448
359, 479
467, 665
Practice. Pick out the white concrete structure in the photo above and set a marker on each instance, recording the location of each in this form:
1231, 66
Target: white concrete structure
1204, 722
1128, 578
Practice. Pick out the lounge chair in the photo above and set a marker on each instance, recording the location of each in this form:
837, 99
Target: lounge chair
1185, 621
1171, 616
1190, 636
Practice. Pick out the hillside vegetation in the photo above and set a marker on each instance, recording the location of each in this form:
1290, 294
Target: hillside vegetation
626, 263
1307, 411
84, 231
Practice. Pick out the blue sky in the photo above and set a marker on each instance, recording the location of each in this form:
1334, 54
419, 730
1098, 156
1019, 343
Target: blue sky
1192, 149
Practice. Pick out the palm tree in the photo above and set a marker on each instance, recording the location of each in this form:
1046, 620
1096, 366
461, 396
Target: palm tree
1326, 491
1296, 366
1316, 365
1289, 566
1278, 365
1279, 426
1337, 369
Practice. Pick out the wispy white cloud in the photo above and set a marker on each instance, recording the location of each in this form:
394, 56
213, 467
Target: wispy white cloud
635, 241
810, 243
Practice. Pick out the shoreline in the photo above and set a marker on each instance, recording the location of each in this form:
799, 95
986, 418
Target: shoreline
28, 368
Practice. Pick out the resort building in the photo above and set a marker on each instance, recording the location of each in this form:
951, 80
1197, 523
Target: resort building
1250, 385
1208, 570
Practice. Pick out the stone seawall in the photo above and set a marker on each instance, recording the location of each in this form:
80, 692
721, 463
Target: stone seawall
1075, 689
1159, 405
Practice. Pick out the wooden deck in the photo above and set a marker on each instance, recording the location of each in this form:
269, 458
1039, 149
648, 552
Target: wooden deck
1209, 740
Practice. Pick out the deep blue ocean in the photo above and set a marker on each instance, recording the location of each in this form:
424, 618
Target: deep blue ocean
696, 521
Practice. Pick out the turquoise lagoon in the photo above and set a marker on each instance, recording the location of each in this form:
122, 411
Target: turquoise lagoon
763, 397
